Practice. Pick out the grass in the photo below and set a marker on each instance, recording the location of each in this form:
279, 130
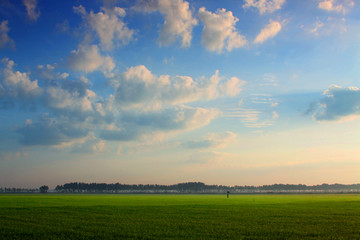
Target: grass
52, 216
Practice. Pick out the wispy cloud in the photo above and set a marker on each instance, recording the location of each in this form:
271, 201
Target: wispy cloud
261, 98
251, 118
328, 26
32, 9
260, 111
269, 80
5, 40
213, 140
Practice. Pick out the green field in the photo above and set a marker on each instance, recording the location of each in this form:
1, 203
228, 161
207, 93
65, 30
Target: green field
53, 216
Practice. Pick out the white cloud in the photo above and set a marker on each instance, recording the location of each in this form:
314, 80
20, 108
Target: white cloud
32, 10
142, 105
232, 87
89, 144
264, 6
178, 22
192, 118
339, 104
88, 59
342, 6
269, 31
219, 30
74, 100
5, 40
60, 99
18, 85
133, 123
138, 87
108, 25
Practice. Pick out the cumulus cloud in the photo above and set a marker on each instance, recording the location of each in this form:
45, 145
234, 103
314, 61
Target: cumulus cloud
342, 6
142, 105
108, 25
133, 124
269, 31
48, 74
219, 30
74, 100
264, 6
88, 58
46, 71
17, 85
58, 99
178, 19
32, 9
339, 103
89, 144
213, 140
5, 40
176, 118
232, 87
48, 131
63, 96
138, 87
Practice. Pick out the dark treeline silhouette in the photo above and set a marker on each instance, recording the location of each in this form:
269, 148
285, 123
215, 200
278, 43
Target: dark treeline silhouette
199, 187
43, 189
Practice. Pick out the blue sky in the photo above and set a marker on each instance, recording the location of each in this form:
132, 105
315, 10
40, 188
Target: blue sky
245, 92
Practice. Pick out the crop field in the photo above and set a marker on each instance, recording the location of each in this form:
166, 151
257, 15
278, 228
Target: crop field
55, 216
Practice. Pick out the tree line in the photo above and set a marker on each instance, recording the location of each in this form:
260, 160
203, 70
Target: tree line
188, 187
199, 187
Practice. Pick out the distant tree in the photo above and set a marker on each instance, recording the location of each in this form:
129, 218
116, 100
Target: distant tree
44, 189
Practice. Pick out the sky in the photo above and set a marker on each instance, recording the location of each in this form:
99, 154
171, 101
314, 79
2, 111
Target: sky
233, 92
